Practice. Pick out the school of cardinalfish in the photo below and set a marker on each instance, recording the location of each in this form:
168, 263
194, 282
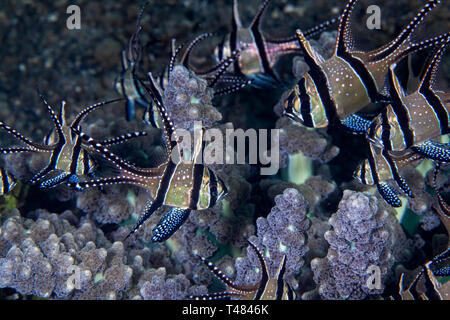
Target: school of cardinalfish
332, 92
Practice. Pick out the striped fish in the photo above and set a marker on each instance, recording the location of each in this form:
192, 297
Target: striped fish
260, 53
127, 84
342, 85
268, 288
64, 150
412, 119
181, 184
431, 288
7, 181
214, 76
380, 167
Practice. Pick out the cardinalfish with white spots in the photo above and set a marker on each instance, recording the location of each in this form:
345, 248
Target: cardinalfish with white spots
403, 131
126, 84
214, 77
259, 52
130, 86
342, 85
412, 119
186, 185
65, 152
381, 166
268, 288
426, 285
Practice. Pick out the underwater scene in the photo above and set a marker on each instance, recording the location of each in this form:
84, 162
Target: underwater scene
224, 149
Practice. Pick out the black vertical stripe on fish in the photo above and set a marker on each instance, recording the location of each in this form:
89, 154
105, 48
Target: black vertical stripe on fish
165, 183
233, 42
357, 65
321, 83
395, 173
75, 155
373, 168
280, 281
385, 130
213, 193
264, 274
407, 31
196, 185
259, 41
400, 111
86, 164
438, 108
305, 104
159, 197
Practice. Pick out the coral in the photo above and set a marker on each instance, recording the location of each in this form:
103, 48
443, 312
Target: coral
360, 242
57, 256
283, 232
311, 143
188, 99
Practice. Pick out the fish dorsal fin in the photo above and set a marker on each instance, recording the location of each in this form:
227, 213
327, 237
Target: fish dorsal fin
236, 19
344, 34
262, 262
85, 111
63, 112
169, 132
134, 48
185, 58
173, 57
395, 88
56, 122
405, 35
256, 22
429, 76
311, 56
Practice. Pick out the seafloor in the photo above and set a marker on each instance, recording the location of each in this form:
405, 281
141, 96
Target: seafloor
330, 227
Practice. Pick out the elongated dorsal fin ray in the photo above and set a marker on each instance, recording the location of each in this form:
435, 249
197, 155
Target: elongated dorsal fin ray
187, 52
56, 122
430, 74
133, 51
173, 57
312, 58
309, 33
227, 281
123, 138
256, 22
344, 35
19, 150
236, 19
224, 65
107, 154
85, 111
63, 113
170, 136
262, 261
22, 138
405, 36
215, 296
